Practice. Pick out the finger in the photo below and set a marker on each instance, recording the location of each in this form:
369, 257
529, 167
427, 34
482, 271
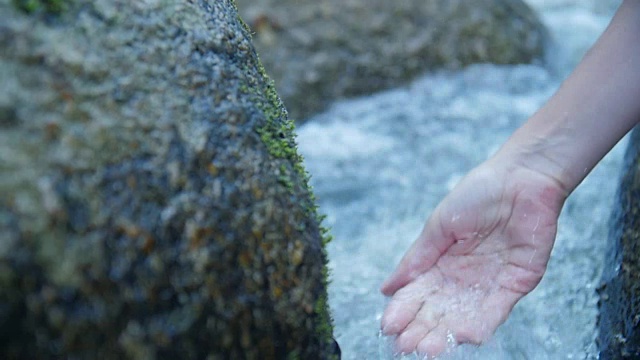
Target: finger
401, 311
425, 321
408, 341
471, 332
434, 343
422, 255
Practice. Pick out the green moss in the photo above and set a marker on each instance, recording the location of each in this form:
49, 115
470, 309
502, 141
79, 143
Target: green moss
285, 178
294, 355
326, 236
324, 326
244, 24
277, 134
52, 7
278, 140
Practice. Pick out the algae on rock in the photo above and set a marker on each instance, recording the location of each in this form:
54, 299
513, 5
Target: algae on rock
143, 212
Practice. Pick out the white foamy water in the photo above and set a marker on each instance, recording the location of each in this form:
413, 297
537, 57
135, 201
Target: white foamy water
381, 163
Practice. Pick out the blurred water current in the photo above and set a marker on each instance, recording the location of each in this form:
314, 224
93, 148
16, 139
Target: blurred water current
381, 163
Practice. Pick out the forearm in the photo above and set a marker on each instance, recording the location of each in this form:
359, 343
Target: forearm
593, 109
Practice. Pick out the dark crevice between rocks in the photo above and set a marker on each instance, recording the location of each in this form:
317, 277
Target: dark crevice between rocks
619, 303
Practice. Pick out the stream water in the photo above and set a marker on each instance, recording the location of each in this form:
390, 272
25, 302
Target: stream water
381, 163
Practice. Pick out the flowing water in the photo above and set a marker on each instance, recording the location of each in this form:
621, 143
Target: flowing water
381, 163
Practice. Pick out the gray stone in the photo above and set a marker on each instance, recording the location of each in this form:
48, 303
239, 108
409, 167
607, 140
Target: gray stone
321, 50
619, 304
152, 201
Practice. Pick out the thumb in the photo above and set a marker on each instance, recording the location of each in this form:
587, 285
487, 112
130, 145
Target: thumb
420, 257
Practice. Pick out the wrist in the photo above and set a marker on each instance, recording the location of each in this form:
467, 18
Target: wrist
530, 169
540, 156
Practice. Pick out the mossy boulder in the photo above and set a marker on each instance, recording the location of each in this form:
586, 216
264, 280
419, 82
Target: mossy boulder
619, 304
318, 51
152, 202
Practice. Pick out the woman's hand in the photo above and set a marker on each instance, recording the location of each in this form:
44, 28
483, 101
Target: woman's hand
485, 246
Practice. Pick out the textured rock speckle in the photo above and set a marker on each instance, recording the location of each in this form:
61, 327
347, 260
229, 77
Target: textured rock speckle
142, 213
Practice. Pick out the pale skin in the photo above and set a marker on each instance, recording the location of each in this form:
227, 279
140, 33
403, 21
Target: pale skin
487, 244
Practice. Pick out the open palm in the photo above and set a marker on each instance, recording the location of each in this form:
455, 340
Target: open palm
484, 247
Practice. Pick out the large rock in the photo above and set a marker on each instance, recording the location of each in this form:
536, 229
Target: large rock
619, 319
321, 50
153, 204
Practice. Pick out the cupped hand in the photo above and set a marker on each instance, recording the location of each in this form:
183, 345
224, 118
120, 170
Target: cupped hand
484, 247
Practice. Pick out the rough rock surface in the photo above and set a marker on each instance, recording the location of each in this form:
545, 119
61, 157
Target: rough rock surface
619, 319
321, 50
152, 202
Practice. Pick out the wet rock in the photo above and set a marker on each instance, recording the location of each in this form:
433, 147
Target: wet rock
619, 304
152, 201
321, 50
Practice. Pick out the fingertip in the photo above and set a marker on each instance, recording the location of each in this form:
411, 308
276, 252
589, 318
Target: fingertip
397, 316
417, 261
389, 286
470, 336
407, 342
432, 345
390, 325
400, 278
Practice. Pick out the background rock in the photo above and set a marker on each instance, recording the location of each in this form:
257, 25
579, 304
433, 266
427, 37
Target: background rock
321, 50
152, 202
619, 319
